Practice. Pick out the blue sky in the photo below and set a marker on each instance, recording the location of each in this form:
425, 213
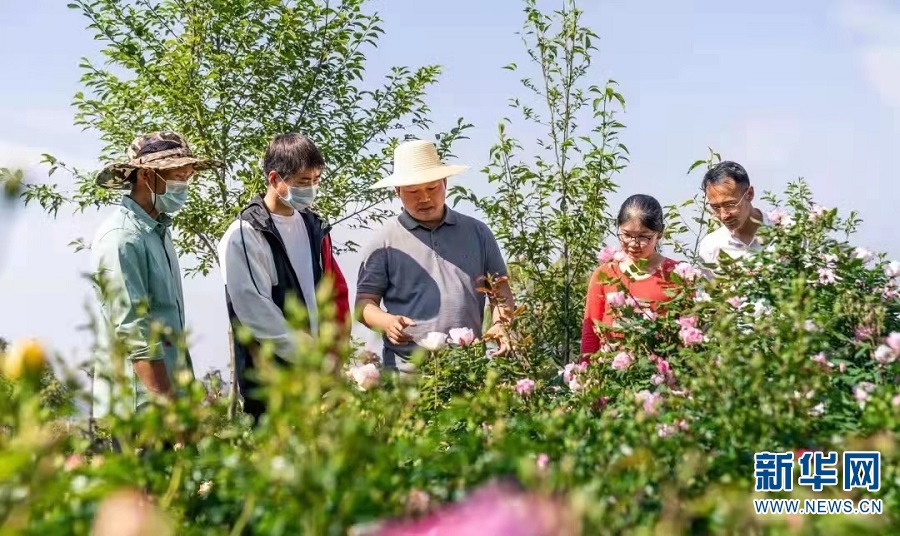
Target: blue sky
805, 88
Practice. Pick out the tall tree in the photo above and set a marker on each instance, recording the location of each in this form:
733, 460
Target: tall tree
229, 74
550, 210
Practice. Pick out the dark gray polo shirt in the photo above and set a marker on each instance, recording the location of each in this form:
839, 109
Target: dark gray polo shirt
430, 276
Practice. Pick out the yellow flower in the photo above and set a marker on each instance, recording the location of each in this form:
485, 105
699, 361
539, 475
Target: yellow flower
26, 357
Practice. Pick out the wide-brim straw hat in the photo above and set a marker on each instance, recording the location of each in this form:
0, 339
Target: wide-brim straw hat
157, 150
417, 162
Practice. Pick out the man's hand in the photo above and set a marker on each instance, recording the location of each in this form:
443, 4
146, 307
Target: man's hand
394, 329
499, 333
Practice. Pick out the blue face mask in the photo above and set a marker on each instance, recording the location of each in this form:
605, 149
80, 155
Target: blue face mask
300, 197
174, 199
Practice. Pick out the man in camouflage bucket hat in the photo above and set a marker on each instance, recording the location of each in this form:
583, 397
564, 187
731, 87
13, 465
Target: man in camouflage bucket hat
142, 279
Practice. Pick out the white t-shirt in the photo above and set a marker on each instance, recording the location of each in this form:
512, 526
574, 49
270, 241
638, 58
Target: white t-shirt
723, 240
248, 269
296, 240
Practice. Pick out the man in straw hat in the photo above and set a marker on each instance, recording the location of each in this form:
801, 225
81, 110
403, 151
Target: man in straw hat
426, 265
133, 254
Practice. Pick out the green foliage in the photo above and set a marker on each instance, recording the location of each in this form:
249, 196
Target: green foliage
549, 210
656, 434
230, 75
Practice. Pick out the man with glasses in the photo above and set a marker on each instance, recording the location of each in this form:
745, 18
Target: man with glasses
729, 197
278, 248
135, 260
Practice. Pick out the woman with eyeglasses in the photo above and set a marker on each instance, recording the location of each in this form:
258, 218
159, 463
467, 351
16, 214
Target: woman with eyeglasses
636, 276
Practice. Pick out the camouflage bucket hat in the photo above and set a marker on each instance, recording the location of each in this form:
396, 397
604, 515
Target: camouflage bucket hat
157, 150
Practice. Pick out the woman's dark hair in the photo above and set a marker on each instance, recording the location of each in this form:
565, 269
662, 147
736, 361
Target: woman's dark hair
644, 208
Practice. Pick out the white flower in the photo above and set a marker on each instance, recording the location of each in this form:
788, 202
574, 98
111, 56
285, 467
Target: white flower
863, 254
817, 410
760, 309
205, 488
892, 270
434, 341
366, 376
884, 354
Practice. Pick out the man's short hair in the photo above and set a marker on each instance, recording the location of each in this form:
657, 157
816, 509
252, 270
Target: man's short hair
289, 153
723, 171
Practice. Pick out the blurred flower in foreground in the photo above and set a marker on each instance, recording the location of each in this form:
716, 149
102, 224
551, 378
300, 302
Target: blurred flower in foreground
497, 509
130, 513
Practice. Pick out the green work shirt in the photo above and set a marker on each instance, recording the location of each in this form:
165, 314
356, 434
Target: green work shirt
143, 302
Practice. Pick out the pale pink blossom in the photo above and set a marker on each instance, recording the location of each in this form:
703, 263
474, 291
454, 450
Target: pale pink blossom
737, 301
657, 379
650, 314
525, 386
817, 210
622, 361
615, 299
896, 400
366, 376
205, 488
653, 357
827, 276
462, 336
687, 322
892, 269
620, 256
810, 326
818, 410
893, 341
842, 367
830, 258
776, 215
687, 272
542, 461
863, 254
665, 430
683, 425
631, 302
862, 390
820, 358
884, 355
607, 254
650, 400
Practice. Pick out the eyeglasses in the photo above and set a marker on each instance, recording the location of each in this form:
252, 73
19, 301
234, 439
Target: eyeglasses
641, 240
727, 207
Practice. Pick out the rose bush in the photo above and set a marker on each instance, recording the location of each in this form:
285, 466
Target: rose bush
795, 348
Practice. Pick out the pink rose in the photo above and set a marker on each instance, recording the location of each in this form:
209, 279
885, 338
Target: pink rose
462, 336
662, 366
691, 336
657, 379
686, 272
525, 386
893, 341
622, 361
650, 400
863, 254
820, 358
687, 322
616, 299
606, 254
862, 390
737, 301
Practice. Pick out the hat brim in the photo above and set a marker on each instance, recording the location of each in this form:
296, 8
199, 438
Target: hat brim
419, 177
114, 176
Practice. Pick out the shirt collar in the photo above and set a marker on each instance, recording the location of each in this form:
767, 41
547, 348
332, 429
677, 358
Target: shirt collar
143, 219
737, 241
450, 218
